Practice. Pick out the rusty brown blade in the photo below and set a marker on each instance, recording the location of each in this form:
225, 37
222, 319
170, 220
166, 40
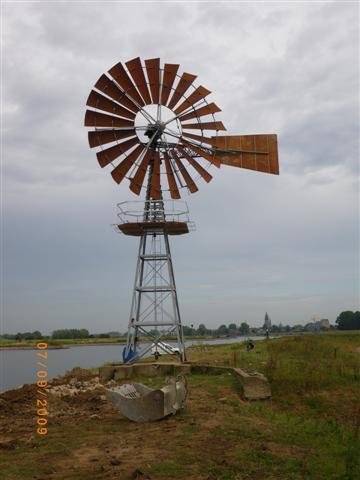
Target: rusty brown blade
155, 187
200, 93
97, 119
187, 178
119, 74
170, 71
99, 137
204, 173
200, 138
174, 191
107, 156
153, 73
138, 179
184, 83
107, 86
203, 153
100, 102
253, 152
205, 126
200, 112
136, 71
121, 170
273, 154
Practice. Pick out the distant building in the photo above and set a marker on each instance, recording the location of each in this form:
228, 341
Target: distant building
310, 327
318, 325
267, 322
324, 324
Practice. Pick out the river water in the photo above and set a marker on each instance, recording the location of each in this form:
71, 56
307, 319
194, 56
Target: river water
19, 366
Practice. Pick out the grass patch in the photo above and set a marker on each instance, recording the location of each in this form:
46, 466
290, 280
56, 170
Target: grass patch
168, 470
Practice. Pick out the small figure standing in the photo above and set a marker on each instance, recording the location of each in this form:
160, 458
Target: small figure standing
250, 345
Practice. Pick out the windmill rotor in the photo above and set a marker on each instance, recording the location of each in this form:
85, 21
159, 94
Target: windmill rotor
139, 108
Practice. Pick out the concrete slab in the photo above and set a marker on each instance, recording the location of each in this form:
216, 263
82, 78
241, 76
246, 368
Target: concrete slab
254, 385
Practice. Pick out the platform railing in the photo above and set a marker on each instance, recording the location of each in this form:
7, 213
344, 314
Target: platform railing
145, 211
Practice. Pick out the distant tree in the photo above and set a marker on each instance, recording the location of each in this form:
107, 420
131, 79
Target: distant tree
83, 333
348, 320
188, 331
114, 334
222, 330
244, 328
275, 328
29, 335
71, 333
233, 329
297, 328
202, 330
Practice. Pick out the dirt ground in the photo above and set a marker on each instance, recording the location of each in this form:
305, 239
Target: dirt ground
87, 436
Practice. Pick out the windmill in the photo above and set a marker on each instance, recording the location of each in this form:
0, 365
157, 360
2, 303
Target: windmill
155, 127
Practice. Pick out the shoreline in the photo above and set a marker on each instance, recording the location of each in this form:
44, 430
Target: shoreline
123, 342
59, 347
68, 345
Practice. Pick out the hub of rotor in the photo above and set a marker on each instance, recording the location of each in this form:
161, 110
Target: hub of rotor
154, 132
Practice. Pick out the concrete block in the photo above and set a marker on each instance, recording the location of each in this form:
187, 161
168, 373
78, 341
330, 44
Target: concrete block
106, 373
123, 371
199, 368
146, 369
182, 369
209, 369
255, 386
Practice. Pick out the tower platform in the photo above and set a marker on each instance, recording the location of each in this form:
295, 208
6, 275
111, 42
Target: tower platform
136, 229
139, 218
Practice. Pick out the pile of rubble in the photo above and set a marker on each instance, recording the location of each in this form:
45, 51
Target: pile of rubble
76, 387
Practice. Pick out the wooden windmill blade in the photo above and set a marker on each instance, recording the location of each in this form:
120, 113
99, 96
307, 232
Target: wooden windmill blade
137, 73
107, 86
122, 78
101, 137
253, 152
170, 71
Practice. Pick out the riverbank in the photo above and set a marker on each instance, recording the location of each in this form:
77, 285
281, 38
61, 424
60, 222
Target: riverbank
64, 343
308, 430
20, 363
76, 342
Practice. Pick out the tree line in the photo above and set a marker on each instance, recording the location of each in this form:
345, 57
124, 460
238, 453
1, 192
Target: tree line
346, 320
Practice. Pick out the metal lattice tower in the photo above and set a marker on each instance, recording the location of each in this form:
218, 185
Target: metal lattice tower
155, 310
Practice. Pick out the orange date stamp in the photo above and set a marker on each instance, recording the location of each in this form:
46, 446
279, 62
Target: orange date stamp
42, 383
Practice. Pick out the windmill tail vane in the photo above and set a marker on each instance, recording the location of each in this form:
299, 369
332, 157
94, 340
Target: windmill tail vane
143, 116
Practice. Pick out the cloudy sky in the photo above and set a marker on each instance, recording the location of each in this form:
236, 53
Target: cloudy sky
287, 245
